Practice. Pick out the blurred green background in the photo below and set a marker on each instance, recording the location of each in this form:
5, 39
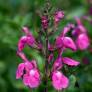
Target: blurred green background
14, 14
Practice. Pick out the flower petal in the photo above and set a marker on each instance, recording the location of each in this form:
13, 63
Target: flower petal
22, 42
26, 79
70, 61
59, 42
59, 81
69, 43
34, 78
20, 70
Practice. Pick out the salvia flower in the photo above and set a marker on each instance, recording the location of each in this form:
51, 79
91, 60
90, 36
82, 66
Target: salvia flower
29, 73
28, 39
80, 32
28, 70
32, 78
66, 42
59, 81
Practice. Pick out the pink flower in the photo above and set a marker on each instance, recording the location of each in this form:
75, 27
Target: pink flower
29, 40
58, 16
82, 41
32, 78
29, 73
26, 66
66, 42
59, 81
70, 61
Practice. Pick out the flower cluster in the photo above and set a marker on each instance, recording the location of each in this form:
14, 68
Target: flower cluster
28, 70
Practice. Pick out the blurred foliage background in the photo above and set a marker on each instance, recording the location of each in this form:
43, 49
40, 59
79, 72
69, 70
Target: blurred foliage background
14, 14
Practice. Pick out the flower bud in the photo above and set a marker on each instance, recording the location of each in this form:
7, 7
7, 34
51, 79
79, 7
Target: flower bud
45, 22
58, 64
58, 16
50, 58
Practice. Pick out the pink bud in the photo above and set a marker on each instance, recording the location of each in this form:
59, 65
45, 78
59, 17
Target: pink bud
44, 21
21, 43
78, 20
59, 81
22, 56
58, 64
69, 43
70, 61
26, 30
32, 79
20, 70
82, 41
50, 47
50, 58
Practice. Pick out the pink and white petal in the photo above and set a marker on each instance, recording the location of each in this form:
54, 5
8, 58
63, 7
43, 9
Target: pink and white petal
20, 70
69, 43
65, 81
34, 78
56, 80
70, 61
59, 81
